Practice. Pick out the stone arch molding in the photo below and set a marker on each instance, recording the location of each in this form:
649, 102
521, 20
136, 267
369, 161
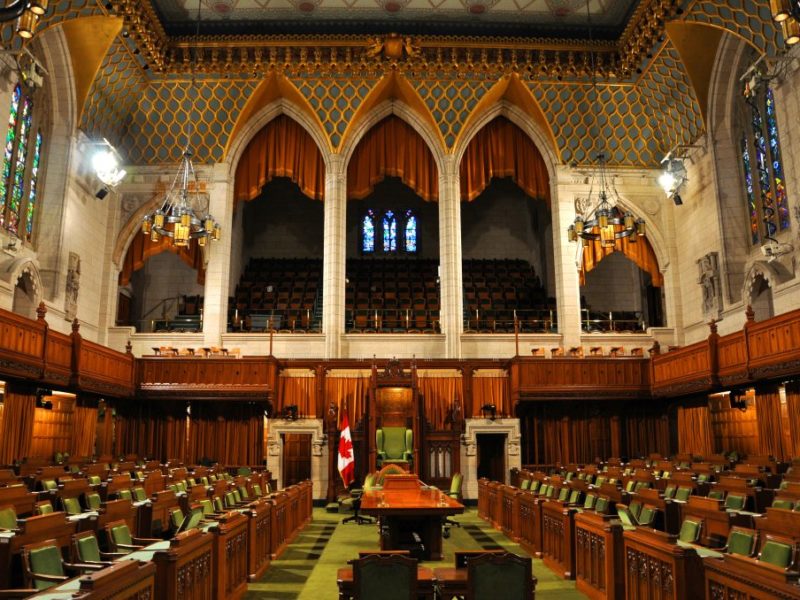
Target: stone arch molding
12, 269
773, 273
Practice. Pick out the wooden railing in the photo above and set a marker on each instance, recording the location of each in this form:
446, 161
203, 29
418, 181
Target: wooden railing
765, 350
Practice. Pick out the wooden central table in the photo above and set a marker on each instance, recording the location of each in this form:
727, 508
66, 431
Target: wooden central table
405, 507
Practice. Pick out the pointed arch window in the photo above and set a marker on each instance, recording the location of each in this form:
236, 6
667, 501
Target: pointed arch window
19, 178
389, 232
762, 164
410, 237
368, 233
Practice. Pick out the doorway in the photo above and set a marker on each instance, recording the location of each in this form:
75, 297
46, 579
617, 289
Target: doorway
296, 457
492, 456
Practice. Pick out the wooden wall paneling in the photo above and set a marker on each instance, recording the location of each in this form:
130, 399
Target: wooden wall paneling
683, 371
733, 428
22, 343
52, 428
586, 378
732, 359
58, 359
773, 345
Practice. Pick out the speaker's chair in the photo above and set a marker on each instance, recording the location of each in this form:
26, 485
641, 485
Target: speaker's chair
394, 445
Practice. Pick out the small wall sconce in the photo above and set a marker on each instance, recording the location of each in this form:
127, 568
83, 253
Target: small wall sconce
290, 412
489, 411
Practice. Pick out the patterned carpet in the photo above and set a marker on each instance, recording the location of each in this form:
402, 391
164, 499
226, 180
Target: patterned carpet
307, 569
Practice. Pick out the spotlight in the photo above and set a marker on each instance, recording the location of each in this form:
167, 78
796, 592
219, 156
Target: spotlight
102, 193
676, 198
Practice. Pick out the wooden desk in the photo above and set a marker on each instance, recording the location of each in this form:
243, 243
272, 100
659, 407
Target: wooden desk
258, 539
128, 580
403, 506
737, 576
425, 583
230, 556
717, 521
599, 561
657, 568
530, 523
558, 537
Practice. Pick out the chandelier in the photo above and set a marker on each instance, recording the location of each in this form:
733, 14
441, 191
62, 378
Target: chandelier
184, 216
597, 218
787, 14
26, 12
602, 220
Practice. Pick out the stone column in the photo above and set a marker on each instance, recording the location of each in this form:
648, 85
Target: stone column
215, 308
565, 253
450, 282
335, 258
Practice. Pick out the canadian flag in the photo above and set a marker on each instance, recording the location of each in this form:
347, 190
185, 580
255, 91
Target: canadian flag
346, 462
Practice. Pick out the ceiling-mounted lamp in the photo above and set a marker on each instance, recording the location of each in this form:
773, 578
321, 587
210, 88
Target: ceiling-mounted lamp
787, 13
672, 178
27, 14
781, 10
106, 164
791, 31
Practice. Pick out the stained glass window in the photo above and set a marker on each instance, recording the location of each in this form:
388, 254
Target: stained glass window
368, 232
765, 185
389, 232
30, 212
411, 232
20, 176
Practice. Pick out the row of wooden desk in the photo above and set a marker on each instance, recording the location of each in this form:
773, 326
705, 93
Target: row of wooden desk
639, 563
216, 563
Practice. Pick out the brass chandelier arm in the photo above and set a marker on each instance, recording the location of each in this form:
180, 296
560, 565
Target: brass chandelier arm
13, 10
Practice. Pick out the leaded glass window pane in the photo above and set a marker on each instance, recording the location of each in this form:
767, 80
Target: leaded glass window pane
411, 232
368, 232
31, 208
8, 153
389, 232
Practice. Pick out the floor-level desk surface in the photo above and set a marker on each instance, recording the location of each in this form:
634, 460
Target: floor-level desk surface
405, 512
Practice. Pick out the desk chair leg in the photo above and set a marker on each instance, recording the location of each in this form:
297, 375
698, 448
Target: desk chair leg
357, 518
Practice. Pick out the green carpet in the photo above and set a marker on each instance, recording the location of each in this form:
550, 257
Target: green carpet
307, 569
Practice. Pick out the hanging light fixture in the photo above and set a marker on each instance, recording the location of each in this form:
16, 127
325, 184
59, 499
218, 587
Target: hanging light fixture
27, 14
601, 219
787, 13
184, 216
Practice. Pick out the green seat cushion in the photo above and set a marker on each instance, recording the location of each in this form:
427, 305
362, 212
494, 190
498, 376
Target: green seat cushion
535, 485
740, 542
525, 484
589, 502
626, 517
124, 494
237, 496
72, 506
46, 561
716, 494
690, 531
49, 484
45, 509
385, 581
702, 478
208, 508
394, 442
218, 504
601, 505
94, 480
88, 550
785, 504
257, 490
139, 494
647, 516
635, 508
93, 501
630, 485
734, 502
683, 493
243, 493
563, 493
8, 518
776, 553
574, 497
455, 485
669, 492
121, 535
176, 516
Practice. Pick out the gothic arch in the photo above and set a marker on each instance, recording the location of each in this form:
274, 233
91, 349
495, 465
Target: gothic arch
26, 270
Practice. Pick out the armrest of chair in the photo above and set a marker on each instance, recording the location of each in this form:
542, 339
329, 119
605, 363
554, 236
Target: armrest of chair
129, 546
50, 578
80, 567
145, 541
408, 455
381, 454
111, 555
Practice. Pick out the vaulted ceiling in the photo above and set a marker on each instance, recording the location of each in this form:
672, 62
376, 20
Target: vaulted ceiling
134, 73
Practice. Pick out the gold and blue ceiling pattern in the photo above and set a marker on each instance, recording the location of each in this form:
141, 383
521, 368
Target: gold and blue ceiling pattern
58, 12
639, 120
335, 99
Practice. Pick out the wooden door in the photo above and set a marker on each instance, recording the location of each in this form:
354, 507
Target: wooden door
296, 457
492, 456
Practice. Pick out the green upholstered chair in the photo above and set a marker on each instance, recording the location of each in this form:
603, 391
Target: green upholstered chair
734, 502
612, 480
43, 565
71, 506
204, 481
600, 480
525, 484
666, 474
690, 531
124, 495
702, 478
535, 485
563, 494
140, 475
175, 519
636, 508
784, 504
93, 501
257, 491
625, 516
86, 550
601, 505
212, 477
192, 481
43, 508
353, 499
218, 506
8, 518
94, 480
641, 485
569, 476
778, 552
683, 493
237, 496
495, 575
456, 482
181, 485
550, 492
230, 500
245, 496
648, 516
173, 488
394, 445
574, 497
669, 491
629, 487
588, 503
716, 494
388, 577
120, 539
139, 495
207, 507
741, 541
49, 485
